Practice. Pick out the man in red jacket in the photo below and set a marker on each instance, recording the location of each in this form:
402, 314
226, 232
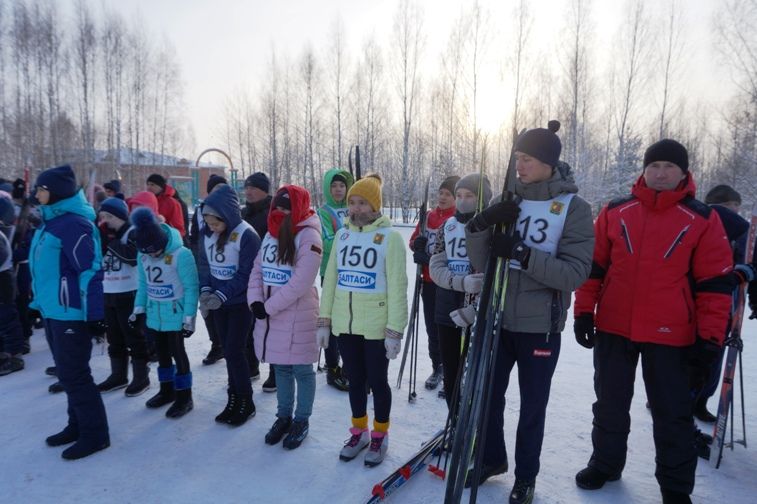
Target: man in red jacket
422, 247
168, 206
661, 287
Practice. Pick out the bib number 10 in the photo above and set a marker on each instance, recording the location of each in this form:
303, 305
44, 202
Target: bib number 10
357, 255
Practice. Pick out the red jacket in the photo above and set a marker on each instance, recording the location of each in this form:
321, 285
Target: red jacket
170, 209
434, 220
660, 269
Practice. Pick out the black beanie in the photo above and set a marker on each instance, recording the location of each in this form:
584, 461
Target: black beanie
339, 178
149, 236
59, 181
282, 200
449, 184
158, 180
541, 143
114, 185
667, 150
213, 181
19, 188
259, 180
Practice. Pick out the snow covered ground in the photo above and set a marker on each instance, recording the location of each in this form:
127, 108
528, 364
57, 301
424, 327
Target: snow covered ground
193, 459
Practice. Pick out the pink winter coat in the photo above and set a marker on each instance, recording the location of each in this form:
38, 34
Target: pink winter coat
287, 336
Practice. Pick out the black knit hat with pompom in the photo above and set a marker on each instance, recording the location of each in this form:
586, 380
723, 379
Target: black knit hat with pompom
541, 143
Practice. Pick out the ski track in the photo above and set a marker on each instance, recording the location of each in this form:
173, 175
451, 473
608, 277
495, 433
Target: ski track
194, 459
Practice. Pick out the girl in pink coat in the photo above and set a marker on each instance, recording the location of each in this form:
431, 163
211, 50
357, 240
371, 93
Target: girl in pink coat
283, 297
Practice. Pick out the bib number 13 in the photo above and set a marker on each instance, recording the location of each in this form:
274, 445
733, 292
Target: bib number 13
538, 232
357, 255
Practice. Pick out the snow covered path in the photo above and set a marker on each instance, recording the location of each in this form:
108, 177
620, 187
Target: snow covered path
193, 459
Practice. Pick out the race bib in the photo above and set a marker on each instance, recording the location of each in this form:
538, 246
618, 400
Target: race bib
541, 223
455, 247
162, 276
361, 261
274, 274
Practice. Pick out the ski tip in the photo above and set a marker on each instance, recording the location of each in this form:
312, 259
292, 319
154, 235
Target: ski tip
437, 471
378, 491
405, 472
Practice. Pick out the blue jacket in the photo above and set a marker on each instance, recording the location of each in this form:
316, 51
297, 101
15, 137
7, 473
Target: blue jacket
227, 272
65, 262
167, 315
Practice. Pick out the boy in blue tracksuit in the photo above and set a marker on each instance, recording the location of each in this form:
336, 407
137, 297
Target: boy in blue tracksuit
167, 293
65, 262
226, 252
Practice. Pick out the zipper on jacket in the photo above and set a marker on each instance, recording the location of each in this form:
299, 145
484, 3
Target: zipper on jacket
64, 293
267, 328
676, 242
626, 236
350, 304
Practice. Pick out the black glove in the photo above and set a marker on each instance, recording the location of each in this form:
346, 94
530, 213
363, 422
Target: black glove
504, 212
96, 329
420, 243
258, 310
583, 327
702, 355
511, 247
421, 257
136, 322
752, 295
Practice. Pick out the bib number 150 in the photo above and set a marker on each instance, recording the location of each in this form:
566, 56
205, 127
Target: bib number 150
357, 255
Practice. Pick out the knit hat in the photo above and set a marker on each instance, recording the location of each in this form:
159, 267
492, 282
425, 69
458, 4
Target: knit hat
667, 150
282, 200
259, 180
339, 178
6, 186
158, 180
541, 143
116, 207
60, 181
213, 181
19, 188
209, 210
149, 235
472, 182
368, 188
114, 185
449, 184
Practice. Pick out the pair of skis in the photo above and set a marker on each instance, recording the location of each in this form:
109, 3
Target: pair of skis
411, 337
734, 346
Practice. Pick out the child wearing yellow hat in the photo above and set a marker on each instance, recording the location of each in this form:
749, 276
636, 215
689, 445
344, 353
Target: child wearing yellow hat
364, 301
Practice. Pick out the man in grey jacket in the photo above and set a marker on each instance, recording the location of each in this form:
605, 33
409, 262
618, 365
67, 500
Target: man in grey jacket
550, 256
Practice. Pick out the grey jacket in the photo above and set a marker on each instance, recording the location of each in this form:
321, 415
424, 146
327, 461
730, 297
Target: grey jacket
538, 297
449, 293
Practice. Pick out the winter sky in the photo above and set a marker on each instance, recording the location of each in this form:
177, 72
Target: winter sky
224, 45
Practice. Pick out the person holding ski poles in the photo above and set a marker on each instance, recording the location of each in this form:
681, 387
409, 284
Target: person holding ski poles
284, 299
364, 302
549, 257
659, 291
423, 247
453, 275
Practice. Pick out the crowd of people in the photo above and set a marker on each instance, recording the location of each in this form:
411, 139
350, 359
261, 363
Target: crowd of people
654, 277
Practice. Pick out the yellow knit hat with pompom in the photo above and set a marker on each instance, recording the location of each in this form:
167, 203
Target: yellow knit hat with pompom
368, 188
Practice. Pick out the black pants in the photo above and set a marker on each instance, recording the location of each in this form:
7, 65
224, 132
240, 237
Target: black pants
450, 341
215, 341
666, 379
23, 296
331, 354
536, 356
71, 345
365, 362
11, 335
170, 348
232, 325
122, 339
428, 296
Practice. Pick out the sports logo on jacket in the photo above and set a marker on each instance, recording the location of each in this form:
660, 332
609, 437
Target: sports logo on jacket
233, 237
556, 207
168, 259
357, 279
378, 238
160, 291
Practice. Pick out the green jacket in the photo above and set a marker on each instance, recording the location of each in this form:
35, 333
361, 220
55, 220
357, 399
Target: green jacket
369, 314
327, 213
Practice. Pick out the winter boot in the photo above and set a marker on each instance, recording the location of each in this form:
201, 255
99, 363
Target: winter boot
67, 436
336, 379
231, 406
672, 497
591, 478
277, 431
119, 376
378, 448
12, 364
26, 347
297, 434
270, 384
183, 403
487, 472
141, 378
215, 354
166, 394
245, 408
701, 413
441, 394
51, 371
522, 492
83, 448
435, 379
360, 439
55, 388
